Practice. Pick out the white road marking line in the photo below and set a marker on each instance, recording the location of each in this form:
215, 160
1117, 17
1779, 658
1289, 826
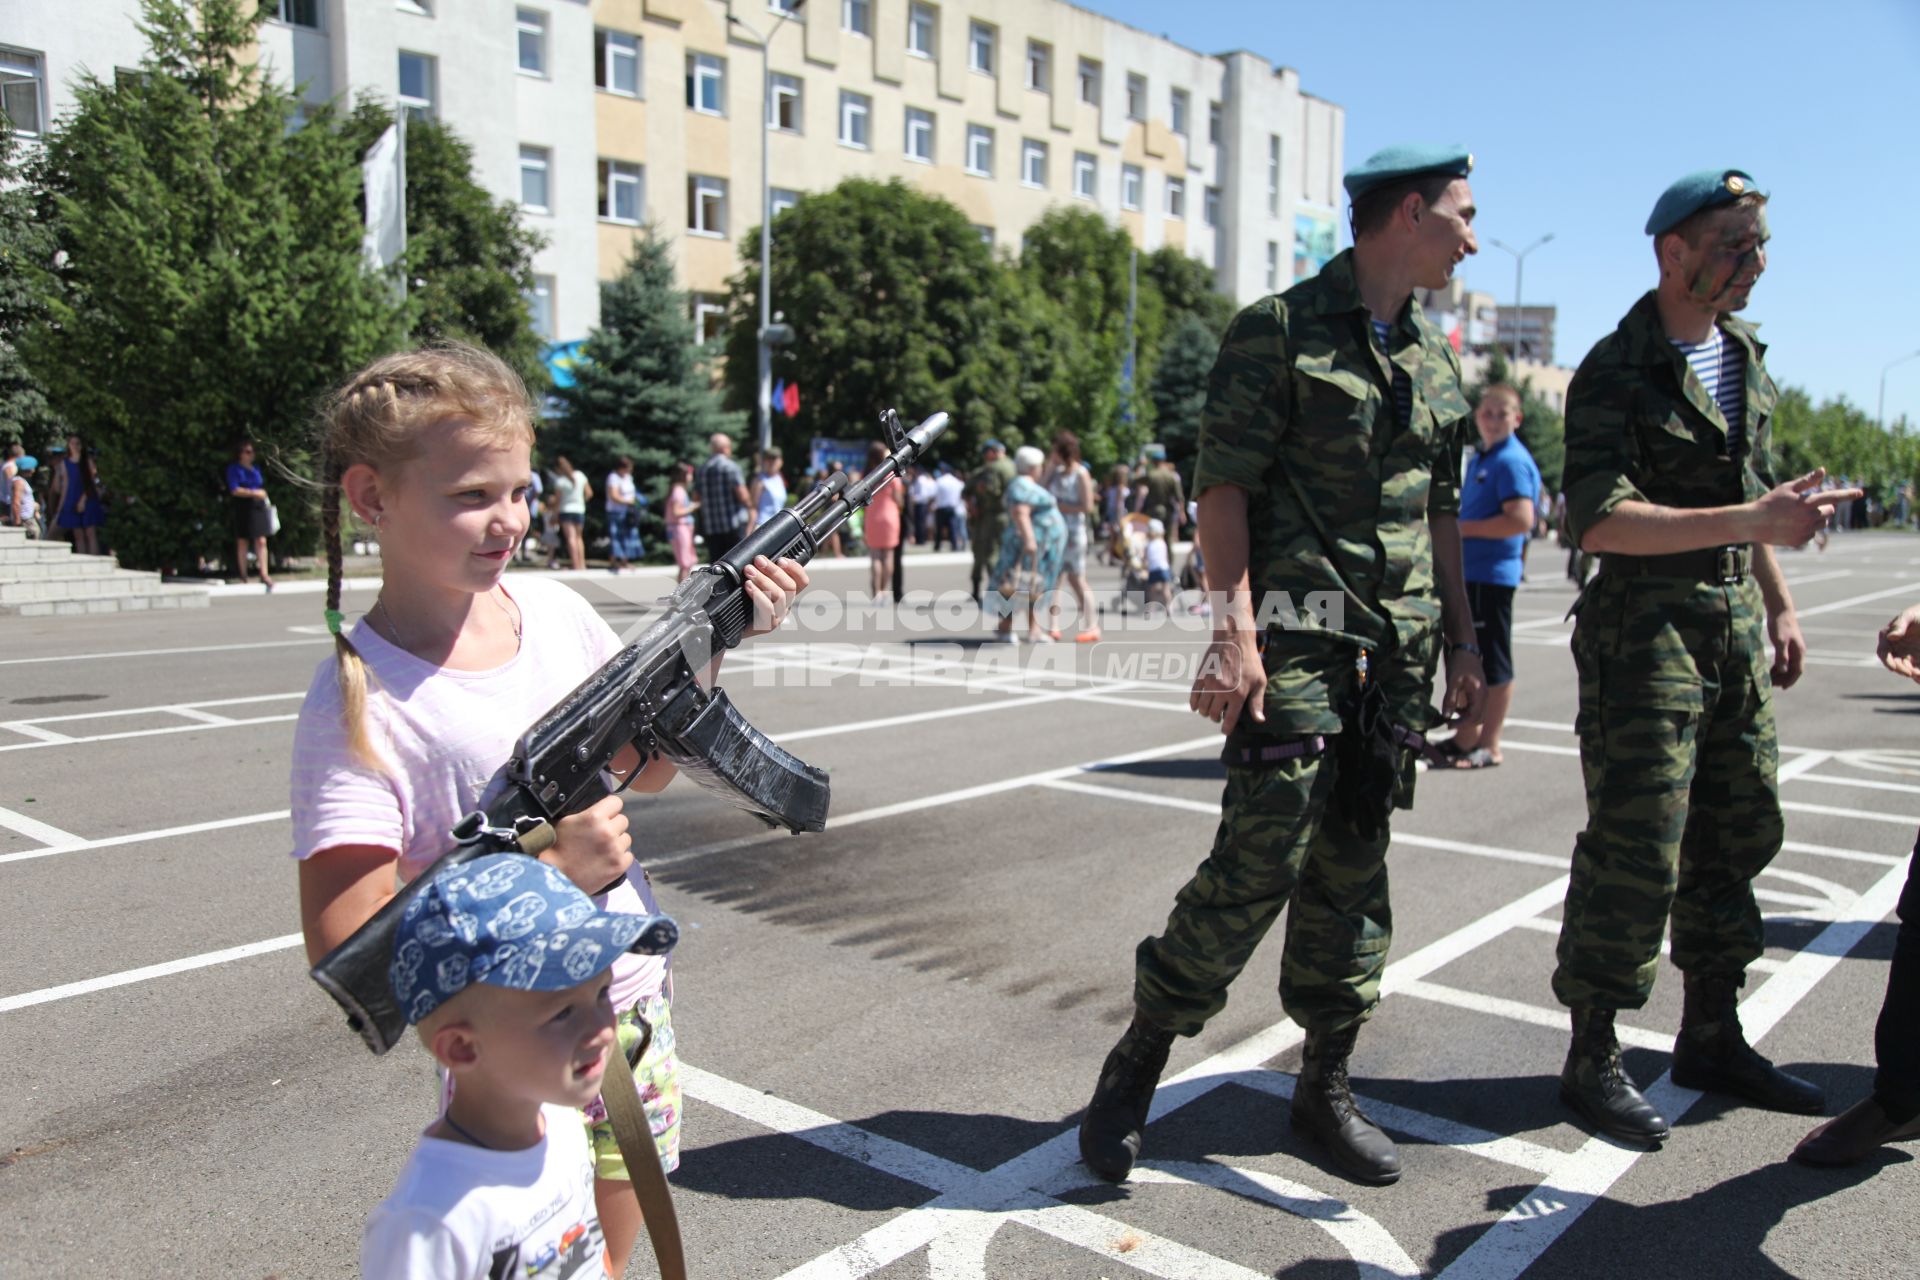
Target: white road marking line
1519, 1011
1799, 765
177, 708
28, 730
79, 845
1541, 924
153, 653
1842, 855
34, 829
1870, 815
1826, 576
1138, 797
1552, 861
1904, 589
1514, 1243
1542, 748
90, 985
152, 733
1867, 784
203, 717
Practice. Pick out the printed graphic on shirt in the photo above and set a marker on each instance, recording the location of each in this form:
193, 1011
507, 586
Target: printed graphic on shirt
576, 1252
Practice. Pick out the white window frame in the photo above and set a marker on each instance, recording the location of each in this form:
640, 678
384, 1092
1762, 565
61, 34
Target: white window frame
1210, 206
1033, 163
856, 17
1180, 112
709, 316
919, 123
540, 309
1216, 123
426, 107
781, 199
1086, 174
979, 136
25, 68
618, 175
1136, 96
536, 160
706, 195
856, 120
420, 8
530, 22
983, 46
1132, 179
705, 69
1089, 76
1176, 202
787, 7
1273, 266
786, 89
923, 30
1040, 66
1273, 175
612, 53
315, 6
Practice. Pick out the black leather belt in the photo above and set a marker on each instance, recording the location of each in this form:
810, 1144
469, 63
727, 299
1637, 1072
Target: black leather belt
1724, 566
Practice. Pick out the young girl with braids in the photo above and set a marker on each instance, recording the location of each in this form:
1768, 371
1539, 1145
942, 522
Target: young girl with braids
419, 706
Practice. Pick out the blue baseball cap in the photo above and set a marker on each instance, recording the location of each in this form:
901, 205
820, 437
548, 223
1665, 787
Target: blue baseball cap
26, 462
510, 921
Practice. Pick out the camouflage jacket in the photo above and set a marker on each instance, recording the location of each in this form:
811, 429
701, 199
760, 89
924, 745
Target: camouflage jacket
987, 486
1300, 413
1641, 428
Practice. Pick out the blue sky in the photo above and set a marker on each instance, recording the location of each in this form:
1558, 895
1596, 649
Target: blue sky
1579, 114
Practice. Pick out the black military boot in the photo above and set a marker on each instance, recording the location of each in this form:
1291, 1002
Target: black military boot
1324, 1110
1596, 1084
1110, 1131
1712, 1053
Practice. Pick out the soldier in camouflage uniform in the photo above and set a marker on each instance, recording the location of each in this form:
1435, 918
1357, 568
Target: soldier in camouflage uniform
987, 512
1329, 463
1668, 479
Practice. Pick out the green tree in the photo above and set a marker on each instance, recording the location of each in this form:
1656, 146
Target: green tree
26, 257
895, 303
1179, 389
1542, 427
1186, 287
642, 387
469, 257
214, 286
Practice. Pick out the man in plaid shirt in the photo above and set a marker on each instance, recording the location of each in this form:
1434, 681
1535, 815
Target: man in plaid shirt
722, 517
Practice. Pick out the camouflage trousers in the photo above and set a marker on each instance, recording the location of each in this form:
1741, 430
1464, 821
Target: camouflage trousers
984, 541
1678, 747
1281, 839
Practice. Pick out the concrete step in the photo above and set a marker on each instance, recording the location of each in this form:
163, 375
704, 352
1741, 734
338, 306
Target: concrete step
165, 596
22, 570
77, 586
38, 552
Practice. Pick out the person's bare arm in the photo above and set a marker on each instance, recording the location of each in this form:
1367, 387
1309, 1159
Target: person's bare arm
1232, 679
1783, 624
1466, 677
1788, 515
1516, 517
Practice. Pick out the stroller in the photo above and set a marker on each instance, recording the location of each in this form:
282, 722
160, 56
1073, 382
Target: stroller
1129, 550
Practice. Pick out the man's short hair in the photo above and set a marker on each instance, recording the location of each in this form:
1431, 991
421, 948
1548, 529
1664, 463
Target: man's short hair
1506, 389
1373, 211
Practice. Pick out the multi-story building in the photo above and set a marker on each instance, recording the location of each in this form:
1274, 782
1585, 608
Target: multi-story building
1529, 331
601, 117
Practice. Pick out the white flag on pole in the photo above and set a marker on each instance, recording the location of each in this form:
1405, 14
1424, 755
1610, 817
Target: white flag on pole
385, 175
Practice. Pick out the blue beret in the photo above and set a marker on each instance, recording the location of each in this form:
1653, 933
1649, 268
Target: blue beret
1406, 161
992, 444
1707, 189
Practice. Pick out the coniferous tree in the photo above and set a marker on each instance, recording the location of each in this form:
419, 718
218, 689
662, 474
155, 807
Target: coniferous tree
26, 275
1179, 388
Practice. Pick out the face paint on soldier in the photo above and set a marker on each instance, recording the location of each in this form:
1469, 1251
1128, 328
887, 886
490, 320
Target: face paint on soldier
1729, 260
1445, 236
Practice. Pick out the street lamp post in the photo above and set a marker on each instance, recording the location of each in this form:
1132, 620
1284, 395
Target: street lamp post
1519, 266
1880, 415
766, 212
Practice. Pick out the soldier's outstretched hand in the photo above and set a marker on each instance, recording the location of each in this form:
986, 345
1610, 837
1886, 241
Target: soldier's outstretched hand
1231, 679
1791, 513
1900, 644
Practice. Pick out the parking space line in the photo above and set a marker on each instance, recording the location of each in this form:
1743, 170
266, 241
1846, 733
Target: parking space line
158, 653
1865, 784
1869, 815
1904, 589
79, 845
90, 985
1519, 1011
1546, 924
1842, 855
29, 730
34, 829
147, 733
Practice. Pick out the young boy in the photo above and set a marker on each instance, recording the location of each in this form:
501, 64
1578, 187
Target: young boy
1159, 566
502, 964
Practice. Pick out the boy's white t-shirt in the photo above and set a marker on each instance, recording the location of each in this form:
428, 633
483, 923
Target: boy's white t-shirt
1157, 557
446, 733
461, 1212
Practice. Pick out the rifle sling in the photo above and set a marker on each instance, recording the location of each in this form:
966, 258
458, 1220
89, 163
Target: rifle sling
635, 1137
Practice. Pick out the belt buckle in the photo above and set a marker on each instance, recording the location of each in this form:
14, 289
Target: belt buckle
1731, 564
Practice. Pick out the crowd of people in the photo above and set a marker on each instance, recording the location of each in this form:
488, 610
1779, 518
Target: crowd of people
64, 500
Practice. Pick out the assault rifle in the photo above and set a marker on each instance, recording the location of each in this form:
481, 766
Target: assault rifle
646, 696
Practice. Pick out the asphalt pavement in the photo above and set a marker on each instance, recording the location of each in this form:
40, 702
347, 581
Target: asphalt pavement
888, 1030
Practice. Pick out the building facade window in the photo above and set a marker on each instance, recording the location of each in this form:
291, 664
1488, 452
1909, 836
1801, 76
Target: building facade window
1039, 67
1090, 82
706, 205
23, 91
856, 120
423, 8
709, 317
418, 87
783, 109
781, 200
1216, 123
856, 16
981, 42
1210, 206
616, 62
299, 13
919, 144
1033, 163
1136, 96
536, 179
531, 26
622, 187
979, 151
1273, 265
1176, 198
539, 301
1131, 180
985, 233
922, 29
788, 7
1179, 107
1273, 175
707, 84
1086, 174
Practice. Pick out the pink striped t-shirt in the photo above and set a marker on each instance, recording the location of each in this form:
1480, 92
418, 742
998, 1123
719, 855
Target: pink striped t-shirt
446, 733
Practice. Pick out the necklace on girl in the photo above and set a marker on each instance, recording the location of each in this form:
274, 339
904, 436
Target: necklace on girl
393, 631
